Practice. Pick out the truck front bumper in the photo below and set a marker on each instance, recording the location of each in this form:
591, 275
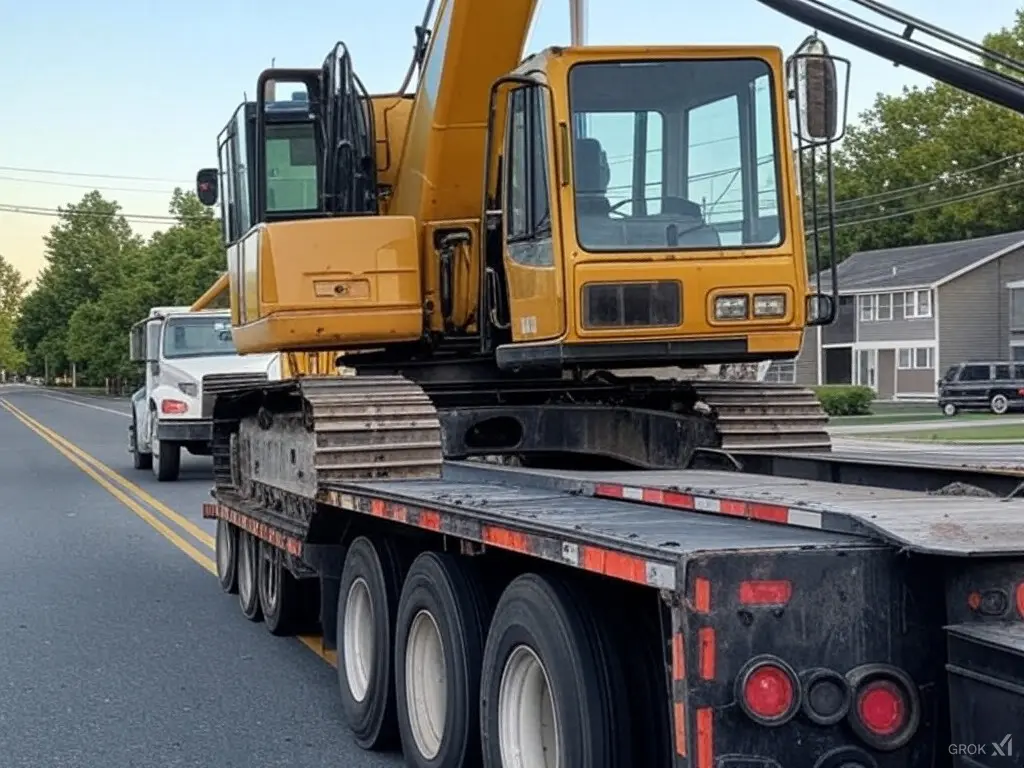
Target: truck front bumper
191, 431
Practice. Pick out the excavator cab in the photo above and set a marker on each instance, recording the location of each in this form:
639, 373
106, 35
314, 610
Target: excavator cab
647, 207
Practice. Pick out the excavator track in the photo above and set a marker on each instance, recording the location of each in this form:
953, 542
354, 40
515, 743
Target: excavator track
296, 435
755, 416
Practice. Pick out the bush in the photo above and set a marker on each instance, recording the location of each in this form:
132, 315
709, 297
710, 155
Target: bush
846, 400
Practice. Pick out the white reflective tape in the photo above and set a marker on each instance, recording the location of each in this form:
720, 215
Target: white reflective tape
661, 576
633, 494
571, 553
702, 504
804, 519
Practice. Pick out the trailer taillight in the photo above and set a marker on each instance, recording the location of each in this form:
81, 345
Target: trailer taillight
885, 711
768, 690
1020, 599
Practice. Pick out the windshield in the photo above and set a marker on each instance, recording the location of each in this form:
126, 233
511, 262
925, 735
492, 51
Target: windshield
950, 373
291, 167
198, 336
671, 155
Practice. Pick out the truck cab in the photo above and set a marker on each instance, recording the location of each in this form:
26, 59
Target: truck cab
188, 357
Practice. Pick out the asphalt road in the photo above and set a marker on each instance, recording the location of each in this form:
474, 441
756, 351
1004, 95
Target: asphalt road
118, 646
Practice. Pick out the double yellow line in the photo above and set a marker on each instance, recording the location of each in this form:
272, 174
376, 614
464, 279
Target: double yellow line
120, 488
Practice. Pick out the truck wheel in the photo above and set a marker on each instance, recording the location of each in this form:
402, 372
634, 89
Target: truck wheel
281, 597
227, 556
139, 460
550, 682
367, 602
439, 642
248, 587
166, 460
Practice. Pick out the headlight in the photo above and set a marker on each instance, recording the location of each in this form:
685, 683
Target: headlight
770, 305
730, 307
188, 388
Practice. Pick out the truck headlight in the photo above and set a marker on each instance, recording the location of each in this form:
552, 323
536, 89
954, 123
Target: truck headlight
770, 305
188, 388
730, 307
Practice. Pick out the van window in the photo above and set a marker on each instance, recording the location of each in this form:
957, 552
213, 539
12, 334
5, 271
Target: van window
1018, 371
975, 373
1003, 372
950, 373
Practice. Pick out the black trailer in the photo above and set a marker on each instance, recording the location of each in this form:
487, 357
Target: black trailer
686, 618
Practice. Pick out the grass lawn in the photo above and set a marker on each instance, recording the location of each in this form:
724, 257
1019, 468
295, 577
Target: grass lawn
931, 414
995, 432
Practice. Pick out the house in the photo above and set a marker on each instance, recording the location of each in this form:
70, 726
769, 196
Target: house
906, 314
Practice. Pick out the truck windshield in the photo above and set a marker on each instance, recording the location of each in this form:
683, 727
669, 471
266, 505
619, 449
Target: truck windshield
675, 155
198, 337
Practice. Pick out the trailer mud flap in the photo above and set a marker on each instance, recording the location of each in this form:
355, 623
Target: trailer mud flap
986, 694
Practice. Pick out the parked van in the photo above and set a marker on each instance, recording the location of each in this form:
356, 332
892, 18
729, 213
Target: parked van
982, 386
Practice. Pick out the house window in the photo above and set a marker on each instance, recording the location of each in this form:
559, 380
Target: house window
867, 308
883, 308
1017, 309
917, 304
916, 358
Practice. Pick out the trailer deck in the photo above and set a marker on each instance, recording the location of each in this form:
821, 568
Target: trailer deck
944, 522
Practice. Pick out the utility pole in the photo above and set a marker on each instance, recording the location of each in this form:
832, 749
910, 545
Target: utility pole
578, 36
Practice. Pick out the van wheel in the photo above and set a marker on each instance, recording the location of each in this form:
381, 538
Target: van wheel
949, 409
999, 404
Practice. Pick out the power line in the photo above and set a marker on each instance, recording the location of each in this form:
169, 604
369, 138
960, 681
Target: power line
84, 186
30, 210
118, 177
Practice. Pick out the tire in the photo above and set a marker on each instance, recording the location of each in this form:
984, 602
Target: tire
440, 632
544, 636
999, 404
248, 580
227, 556
371, 580
139, 460
166, 458
281, 595
949, 409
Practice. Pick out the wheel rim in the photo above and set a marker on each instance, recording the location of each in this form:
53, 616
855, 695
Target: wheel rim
527, 721
425, 684
999, 404
245, 569
360, 642
270, 576
224, 547
950, 410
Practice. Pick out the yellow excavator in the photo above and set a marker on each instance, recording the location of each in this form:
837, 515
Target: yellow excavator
505, 252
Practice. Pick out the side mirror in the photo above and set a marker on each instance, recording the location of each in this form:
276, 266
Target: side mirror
206, 186
819, 91
821, 309
153, 340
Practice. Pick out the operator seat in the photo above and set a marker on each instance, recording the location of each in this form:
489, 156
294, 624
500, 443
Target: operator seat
591, 173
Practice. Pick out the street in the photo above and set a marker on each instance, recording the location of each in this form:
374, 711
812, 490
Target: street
119, 647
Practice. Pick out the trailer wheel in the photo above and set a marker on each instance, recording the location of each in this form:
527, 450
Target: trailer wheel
248, 587
281, 597
367, 601
550, 682
227, 556
439, 642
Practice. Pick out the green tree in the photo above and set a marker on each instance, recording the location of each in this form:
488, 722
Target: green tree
12, 291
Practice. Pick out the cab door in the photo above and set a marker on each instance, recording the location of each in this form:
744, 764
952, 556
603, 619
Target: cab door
534, 262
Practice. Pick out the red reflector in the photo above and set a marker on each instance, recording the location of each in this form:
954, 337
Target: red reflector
881, 708
768, 692
173, 406
1020, 599
765, 592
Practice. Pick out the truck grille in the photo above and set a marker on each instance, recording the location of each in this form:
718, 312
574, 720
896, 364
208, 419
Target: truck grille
221, 382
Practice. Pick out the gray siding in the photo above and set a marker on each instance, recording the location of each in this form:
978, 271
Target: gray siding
899, 328
974, 312
807, 361
842, 330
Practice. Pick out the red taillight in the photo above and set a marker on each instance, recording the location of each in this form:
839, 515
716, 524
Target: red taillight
1020, 599
765, 592
768, 691
885, 712
173, 406
881, 708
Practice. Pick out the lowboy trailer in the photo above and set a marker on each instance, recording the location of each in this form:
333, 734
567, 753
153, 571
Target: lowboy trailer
527, 618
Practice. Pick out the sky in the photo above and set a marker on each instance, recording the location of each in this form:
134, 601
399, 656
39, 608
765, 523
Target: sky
128, 97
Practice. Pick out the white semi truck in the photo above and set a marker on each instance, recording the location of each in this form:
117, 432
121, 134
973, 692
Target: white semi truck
188, 357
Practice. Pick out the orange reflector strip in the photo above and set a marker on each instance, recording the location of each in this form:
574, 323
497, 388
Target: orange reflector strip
1020, 599
678, 659
702, 595
705, 738
679, 716
430, 520
706, 652
974, 600
765, 592
500, 537
614, 564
